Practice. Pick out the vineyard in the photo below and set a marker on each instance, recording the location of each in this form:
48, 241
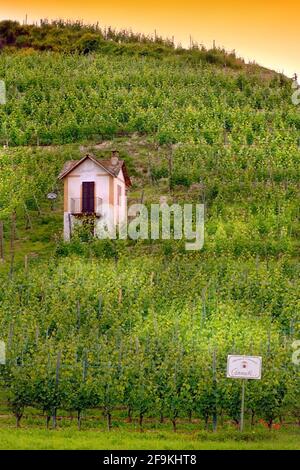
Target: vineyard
138, 329
110, 334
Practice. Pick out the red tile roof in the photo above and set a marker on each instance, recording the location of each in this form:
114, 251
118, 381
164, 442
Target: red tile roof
114, 170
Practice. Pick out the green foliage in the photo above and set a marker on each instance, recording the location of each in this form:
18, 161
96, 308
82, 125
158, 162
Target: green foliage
61, 98
112, 334
89, 43
103, 324
180, 179
104, 248
67, 36
159, 172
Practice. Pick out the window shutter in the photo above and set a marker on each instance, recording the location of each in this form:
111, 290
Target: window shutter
88, 197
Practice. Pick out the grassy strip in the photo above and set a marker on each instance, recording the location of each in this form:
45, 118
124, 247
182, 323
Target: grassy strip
162, 440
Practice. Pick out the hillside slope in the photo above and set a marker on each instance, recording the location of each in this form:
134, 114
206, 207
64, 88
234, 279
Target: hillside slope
150, 318
54, 98
234, 134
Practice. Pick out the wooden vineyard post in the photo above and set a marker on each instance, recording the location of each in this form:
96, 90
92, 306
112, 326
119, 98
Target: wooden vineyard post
142, 197
78, 315
1, 242
170, 164
12, 243
149, 170
203, 317
214, 415
27, 216
37, 206
84, 376
54, 410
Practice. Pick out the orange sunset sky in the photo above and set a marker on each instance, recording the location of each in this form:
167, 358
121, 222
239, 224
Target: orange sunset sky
260, 30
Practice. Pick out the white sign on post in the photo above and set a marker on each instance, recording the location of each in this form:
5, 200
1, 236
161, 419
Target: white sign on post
51, 196
244, 367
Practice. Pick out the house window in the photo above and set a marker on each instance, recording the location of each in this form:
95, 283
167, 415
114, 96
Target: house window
88, 197
119, 195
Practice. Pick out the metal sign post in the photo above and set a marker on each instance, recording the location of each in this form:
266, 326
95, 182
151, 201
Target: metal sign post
52, 197
242, 406
245, 368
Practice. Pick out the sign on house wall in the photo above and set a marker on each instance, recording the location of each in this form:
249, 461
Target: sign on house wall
244, 367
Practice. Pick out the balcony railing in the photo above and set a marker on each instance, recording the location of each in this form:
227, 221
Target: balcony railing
76, 206
98, 204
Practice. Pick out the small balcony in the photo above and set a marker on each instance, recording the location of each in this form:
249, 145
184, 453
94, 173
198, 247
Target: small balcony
76, 206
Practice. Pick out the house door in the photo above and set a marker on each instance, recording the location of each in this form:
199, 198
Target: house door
88, 197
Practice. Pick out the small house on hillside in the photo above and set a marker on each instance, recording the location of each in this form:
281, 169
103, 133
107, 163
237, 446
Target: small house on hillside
94, 189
